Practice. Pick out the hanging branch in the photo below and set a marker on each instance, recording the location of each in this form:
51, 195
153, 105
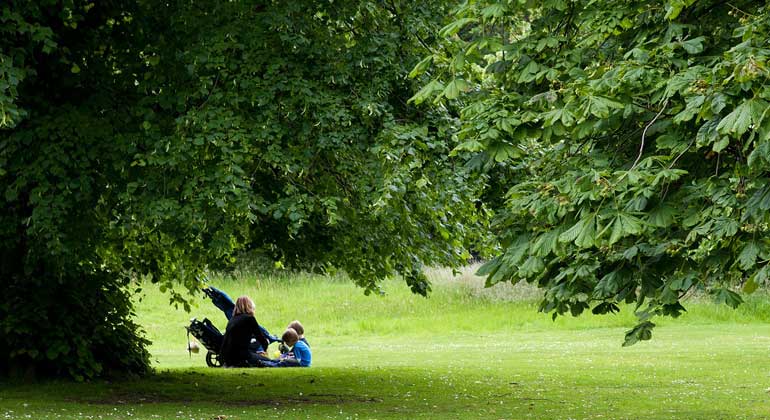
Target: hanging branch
644, 133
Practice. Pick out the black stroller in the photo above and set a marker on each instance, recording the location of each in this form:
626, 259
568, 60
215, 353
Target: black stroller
210, 336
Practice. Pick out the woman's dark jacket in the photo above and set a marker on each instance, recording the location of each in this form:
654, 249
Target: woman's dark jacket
235, 346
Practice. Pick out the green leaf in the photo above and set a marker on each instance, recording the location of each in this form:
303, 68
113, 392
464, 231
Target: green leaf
748, 255
669, 141
675, 7
691, 110
501, 152
600, 107
504, 267
552, 116
608, 285
668, 175
641, 332
454, 88
750, 286
681, 282
707, 133
605, 308
583, 233
728, 297
545, 243
426, 92
489, 267
718, 103
725, 227
493, 11
624, 224
572, 233
746, 115
762, 276
532, 266
673, 10
694, 46
662, 216
529, 72
679, 82
760, 154
458, 62
721, 144
759, 201
468, 146
454, 27
617, 230
498, 67
421, 67
632, 225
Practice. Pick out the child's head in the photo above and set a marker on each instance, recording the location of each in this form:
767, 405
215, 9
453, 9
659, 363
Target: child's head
290, 337
296, 326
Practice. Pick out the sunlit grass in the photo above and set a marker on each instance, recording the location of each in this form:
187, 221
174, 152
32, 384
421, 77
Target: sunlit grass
464, 352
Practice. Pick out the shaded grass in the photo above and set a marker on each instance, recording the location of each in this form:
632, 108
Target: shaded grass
464, 352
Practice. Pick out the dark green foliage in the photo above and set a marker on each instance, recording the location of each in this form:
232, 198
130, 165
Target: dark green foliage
77, 327
65, 311
151, 139
634, 140
307, 112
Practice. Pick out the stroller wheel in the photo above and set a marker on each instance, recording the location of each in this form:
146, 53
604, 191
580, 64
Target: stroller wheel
212, 359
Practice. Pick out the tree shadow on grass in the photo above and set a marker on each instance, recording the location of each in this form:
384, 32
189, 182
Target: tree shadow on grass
390, 392
241, 387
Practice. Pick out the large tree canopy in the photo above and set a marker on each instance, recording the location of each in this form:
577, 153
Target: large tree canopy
632, 139
624, 147
150, 139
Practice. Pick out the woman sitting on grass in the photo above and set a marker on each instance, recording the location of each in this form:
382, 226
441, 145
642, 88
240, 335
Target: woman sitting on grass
240, 329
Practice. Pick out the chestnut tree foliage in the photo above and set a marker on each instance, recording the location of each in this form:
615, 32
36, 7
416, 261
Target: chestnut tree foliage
632, 140
148, 139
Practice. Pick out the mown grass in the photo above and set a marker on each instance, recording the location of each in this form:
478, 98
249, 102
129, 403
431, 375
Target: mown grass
464, 352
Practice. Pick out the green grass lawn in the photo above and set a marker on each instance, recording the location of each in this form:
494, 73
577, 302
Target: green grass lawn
465, 352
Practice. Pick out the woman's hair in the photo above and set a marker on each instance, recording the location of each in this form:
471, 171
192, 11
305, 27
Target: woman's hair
290, 336
244, 305
296, 326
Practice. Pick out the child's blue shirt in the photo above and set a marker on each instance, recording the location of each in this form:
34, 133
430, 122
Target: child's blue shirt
302, 354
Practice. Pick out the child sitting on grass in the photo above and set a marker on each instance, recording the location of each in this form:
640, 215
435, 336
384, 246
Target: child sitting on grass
296, 326
301, 351
300, 355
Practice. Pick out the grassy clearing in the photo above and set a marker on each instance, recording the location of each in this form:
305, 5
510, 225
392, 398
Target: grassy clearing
464, 352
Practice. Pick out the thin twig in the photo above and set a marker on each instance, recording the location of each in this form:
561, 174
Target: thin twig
680, 155
668, 184
644, 133
213, 86
740, 11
